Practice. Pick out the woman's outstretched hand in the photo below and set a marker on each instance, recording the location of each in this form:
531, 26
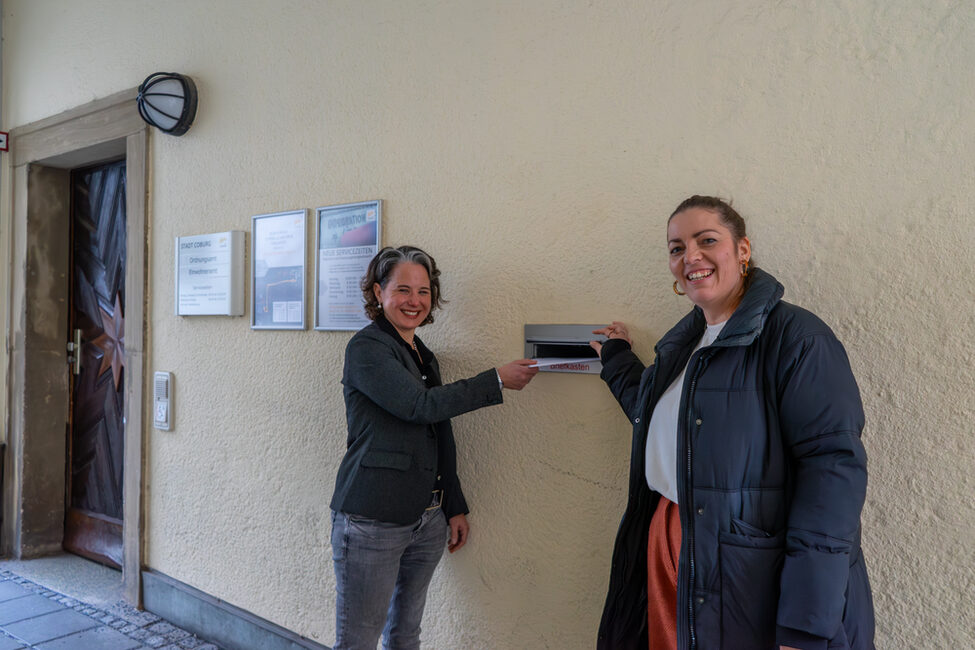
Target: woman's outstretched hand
615, 331
460, 530
517, 374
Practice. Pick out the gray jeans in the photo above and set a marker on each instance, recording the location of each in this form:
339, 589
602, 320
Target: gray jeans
382, 572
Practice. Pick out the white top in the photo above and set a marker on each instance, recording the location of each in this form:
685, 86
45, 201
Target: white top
661, 455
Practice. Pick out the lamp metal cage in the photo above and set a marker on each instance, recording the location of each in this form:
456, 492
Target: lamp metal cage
167, 101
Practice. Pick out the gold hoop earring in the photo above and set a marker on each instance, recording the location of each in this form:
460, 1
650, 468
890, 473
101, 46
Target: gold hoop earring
678, 291
744, 269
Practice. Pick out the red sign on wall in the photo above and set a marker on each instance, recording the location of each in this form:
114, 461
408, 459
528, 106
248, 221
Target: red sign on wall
3, 140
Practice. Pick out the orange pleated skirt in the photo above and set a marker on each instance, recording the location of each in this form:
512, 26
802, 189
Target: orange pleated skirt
663, 554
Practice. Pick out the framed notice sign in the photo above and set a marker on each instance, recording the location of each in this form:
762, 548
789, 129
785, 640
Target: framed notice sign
278, 271
348, 237
210, 274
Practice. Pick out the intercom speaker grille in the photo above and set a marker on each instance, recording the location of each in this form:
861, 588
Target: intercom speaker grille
162, 386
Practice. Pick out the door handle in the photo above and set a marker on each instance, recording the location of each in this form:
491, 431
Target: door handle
74, 353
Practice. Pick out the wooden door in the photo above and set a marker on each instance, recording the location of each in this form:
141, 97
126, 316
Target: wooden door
93, 519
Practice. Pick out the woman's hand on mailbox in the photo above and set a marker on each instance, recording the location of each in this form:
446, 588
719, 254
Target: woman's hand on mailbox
615, 331
517, 374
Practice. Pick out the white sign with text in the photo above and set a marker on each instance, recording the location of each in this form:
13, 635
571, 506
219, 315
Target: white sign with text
210, 274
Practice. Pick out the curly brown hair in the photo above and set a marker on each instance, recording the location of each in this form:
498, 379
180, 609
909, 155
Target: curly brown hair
381, 268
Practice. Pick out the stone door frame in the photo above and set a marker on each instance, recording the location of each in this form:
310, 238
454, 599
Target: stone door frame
43, 153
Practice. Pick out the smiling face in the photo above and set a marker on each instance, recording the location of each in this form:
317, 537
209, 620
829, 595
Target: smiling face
406, 298
706, 261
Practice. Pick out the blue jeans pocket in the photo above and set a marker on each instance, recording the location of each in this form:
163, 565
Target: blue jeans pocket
374, 535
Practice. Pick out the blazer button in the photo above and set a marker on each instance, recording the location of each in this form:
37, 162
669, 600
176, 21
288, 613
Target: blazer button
698, 422
423, 377
636, 421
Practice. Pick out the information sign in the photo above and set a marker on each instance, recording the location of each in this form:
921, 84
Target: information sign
210, 274
348, 238
278, 271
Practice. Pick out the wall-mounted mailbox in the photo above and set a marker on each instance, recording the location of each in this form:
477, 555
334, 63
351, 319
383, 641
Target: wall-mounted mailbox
563, 348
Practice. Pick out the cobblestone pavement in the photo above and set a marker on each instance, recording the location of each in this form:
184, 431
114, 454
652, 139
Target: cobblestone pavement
32, 616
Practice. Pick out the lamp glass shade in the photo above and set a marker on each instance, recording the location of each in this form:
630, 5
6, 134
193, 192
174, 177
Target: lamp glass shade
168, 101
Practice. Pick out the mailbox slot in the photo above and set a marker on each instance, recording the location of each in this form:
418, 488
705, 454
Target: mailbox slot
564, 342
570, 350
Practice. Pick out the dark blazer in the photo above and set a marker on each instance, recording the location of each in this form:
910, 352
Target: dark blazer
394, 422
771, 480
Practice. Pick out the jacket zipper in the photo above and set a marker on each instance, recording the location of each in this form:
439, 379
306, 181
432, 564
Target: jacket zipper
688, 505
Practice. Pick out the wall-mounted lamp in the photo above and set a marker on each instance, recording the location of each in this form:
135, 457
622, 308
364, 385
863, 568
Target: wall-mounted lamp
167, 101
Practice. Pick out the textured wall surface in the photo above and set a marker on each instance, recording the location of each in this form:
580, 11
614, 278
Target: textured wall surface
535, 148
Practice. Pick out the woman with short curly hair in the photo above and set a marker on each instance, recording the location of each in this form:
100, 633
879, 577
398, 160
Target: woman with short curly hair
397, 497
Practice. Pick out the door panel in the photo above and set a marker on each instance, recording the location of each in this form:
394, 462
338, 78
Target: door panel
93, 520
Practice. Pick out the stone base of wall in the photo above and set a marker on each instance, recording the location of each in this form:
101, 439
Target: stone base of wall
226, 625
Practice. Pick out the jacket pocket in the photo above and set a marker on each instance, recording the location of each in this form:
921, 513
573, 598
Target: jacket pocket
750, 569
386, 460
751, 534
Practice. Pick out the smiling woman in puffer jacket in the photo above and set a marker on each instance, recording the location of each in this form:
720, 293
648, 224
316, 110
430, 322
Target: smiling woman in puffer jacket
747, 476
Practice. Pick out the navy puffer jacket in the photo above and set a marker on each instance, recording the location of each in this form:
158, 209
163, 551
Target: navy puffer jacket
771, 480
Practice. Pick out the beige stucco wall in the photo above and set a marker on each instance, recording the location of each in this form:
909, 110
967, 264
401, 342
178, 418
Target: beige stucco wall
535, 148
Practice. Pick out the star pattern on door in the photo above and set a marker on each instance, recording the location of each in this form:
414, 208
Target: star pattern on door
112, 341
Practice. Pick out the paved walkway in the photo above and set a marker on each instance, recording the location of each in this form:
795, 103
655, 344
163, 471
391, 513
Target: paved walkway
32, 616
